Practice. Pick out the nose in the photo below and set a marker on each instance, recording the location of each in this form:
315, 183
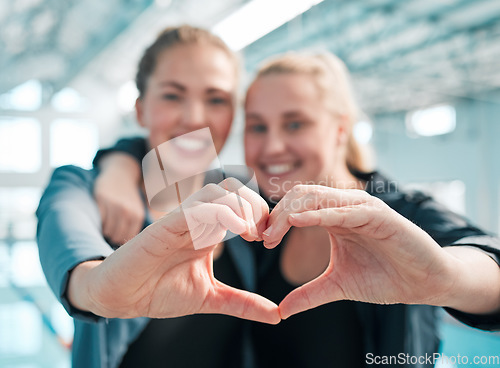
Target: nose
194, 115
275, 144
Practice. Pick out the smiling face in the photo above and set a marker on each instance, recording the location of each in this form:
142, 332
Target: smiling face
290, 135
191, 87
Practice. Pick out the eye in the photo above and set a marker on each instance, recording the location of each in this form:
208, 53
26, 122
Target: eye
171, 97
256, 128
294, 125
218, 101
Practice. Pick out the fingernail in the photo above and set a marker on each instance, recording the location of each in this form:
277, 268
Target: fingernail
253, 228
268, 231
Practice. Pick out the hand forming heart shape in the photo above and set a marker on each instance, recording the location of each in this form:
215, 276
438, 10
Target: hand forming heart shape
376, 256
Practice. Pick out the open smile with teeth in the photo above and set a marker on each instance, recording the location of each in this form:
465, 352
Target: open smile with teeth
190, 144
279, 169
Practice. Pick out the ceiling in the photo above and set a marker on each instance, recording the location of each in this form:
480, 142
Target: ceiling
59, 41
402, 54
53, 40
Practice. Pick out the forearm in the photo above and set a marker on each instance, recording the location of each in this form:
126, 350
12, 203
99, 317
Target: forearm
114, 287
90, 291
476, 288
120, 164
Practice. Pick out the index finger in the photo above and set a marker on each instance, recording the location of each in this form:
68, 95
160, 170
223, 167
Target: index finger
303, 198
260, 209
296, 200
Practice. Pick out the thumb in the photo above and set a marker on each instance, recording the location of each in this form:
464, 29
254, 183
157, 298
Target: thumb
242, 304
317, 292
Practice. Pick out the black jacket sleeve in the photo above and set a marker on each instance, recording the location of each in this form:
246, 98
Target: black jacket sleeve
69, 231
136, 147
449, 229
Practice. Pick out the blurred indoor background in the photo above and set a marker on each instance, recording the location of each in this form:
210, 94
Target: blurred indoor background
426, 73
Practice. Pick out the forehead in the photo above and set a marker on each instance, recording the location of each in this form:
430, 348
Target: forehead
283, 91
196, 64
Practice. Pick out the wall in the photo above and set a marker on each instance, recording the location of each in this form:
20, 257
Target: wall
470, 154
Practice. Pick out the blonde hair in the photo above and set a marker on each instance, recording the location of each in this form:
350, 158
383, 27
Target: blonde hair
174, 36
332, 78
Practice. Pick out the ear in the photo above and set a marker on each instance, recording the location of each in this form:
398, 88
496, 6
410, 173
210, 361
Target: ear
139, 113
344, 130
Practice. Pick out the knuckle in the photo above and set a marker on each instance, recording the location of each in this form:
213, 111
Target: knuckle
377, 202
230, 196
299, 188
365, 194
232, 182
211, 188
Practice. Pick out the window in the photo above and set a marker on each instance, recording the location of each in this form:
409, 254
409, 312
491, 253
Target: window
25, 265
436, 120
363, 132
127, 95
449, 193
17, 212
20, 145
25, 97
4, 265
21, 332
73, 142
68, 100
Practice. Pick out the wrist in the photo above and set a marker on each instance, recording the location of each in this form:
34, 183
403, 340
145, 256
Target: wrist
121, 165
476, 282
79, 287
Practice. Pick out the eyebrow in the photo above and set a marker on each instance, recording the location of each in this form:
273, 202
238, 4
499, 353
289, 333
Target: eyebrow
173, 84
286, 115
253, 115
216, 90
292, 114
182, 88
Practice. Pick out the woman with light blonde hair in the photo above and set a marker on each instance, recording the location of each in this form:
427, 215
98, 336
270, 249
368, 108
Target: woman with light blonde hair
348, 240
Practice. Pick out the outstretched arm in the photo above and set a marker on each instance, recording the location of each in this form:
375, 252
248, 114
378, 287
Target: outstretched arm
378, 256
158, 273
166, 271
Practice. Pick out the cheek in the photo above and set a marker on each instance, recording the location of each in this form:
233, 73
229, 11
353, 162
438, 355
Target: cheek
252, 149
221, 122
316, 152
161, 119
323, 156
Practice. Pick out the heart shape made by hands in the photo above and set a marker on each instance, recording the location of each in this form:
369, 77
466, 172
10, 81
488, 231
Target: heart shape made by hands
376, 255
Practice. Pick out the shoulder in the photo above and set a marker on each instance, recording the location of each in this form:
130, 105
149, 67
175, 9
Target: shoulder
137, 147
73, 173
444, 225
68, 184
70, 175
404, 201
